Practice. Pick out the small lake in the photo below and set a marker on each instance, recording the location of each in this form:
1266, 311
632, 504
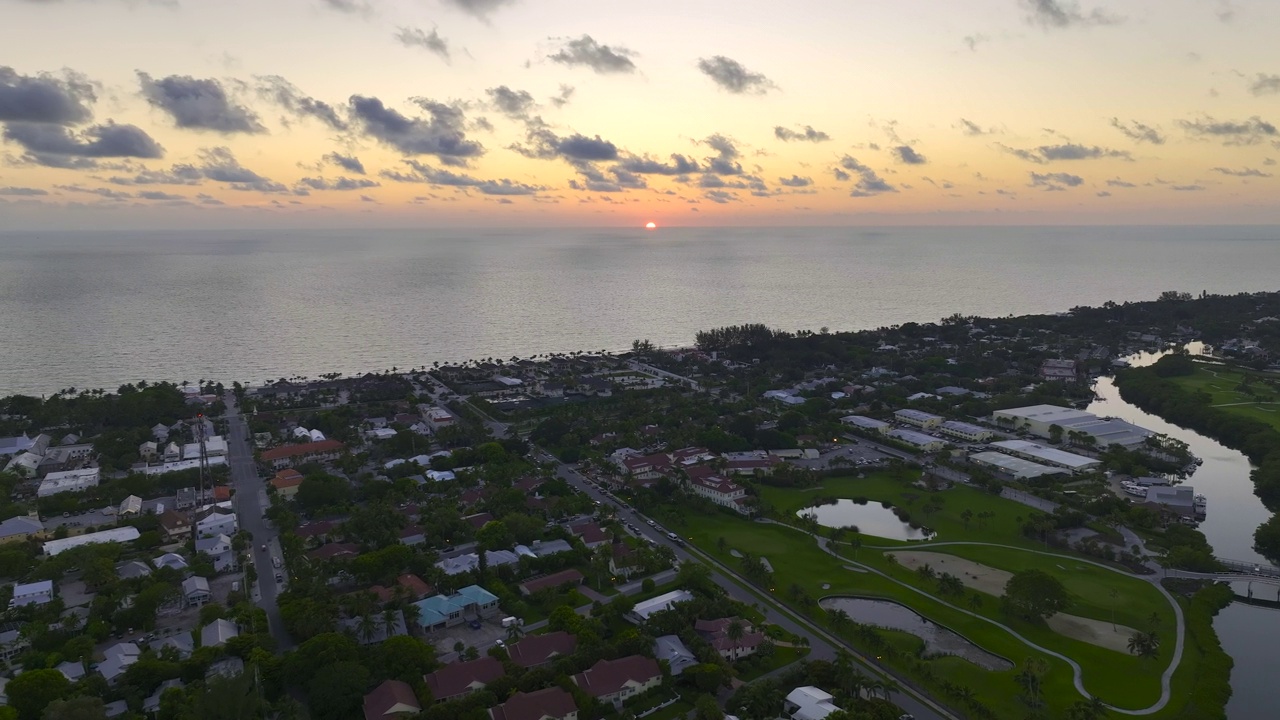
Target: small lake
937, 639
870, 519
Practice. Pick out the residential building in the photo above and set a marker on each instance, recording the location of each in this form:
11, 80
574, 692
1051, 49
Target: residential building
392, 700
543, 548
551, 582
623, 561
217, 633
867, 424
19, 528
809, 703
172, 453
195, 591
675, 652
553, 703
286, 482
534, 650
716, 632
721, 491
335, 551
132, 569
12, 644
68, 481
417, 587
174, 524
918, 440
965, 431
130, 507
438, 418
1045, 455
591, 534
120, 534
118, 658
218, 548
665, 601
183, 644
171, 560
149, 451
463, 678
217, 522
919, 418
289, 455
151, 705
227, 667
65, 457
72, 670
10, 446
616, 680
36, 593
470, 603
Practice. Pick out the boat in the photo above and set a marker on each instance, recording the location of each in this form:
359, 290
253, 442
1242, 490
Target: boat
1134, 489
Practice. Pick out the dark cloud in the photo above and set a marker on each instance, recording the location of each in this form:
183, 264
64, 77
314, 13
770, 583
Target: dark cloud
158, 195
906, 155
720, 196
795, 181
57, 146
1187, 188
107, 193
1138, 132
1117, 182
1027, 155
199, 104
585, 51
44, 98
1265, 85
869, 183
581, 147
415, 37
1268, 161
1075, 151
727, 153
841, 175
219, 164
339, 183
1103, 193
513, 103
479, 8
808, 134
1245, 172
354, 7
679, 165
1060, 14
731, 75
1055, 181
22, 191
433, 176
971, 128
350, 163
286, 95
442, 135
562, 98
543, 143
1232, 132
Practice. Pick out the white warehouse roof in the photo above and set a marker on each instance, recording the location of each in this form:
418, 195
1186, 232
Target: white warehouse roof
120, 534
1015, 466
1053, 456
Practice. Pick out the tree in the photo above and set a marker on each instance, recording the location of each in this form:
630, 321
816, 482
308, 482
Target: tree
1144, 644
31, 692
734, 632
77, 708
1091, 709
707, 708
1035, 595
407, 658
337, 691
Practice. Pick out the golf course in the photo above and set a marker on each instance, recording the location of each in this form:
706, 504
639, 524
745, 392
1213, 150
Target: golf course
1236, 391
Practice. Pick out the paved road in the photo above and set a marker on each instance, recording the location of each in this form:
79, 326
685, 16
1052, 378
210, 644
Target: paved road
250, 503
659, 372
822, 644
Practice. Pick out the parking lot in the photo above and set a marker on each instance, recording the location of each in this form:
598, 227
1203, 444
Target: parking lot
860, 455
446, 640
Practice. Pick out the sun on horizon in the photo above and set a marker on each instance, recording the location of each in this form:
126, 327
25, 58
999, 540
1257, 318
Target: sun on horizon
651, 225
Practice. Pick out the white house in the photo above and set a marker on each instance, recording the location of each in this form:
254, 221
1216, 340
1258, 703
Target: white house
120, 534
36, 593
68, 481
645, 608
118, 659
149, 450
195, 591
809, 703
172, 453
218, 548
720, 491
217, 522
217, 633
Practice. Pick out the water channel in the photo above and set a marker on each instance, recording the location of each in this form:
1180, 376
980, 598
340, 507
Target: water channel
871, 518
937, 639
1248, 633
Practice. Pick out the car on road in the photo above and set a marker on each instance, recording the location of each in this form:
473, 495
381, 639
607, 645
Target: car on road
673, 536
652, 523
264, 547
279, 578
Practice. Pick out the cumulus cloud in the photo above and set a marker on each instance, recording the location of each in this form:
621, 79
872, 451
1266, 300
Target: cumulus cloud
45, 98
415, 37
562, 98
442, 134
973, 41
807, 134
603, 59
199, 104
422, 173
1231, 132
734, 77
479, 8
286, 95
720, 196
1075, 151
1244, 172
350, 163
338, 183
906, 155
220, 165
1061, 14
868, 184
57, 146
796, 181
1265, 84
1138, 132
1055, 181
512, 103
13, 191
353, 7
645, 165
1117, 182
158, 195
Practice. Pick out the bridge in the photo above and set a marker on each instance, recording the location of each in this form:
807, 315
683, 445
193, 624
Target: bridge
1236, 571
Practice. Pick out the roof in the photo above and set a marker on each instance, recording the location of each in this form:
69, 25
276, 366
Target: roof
675, 652
1053, 456
554, 580
645, 608
20, 525
459, 678
917, 415
334, 551
42, 587
172, 520
392, 697
1015, 466
609, 676
131, 504
550, 547
552, 702
195, 583
964, 427
288, 451
218, 633
533, 650
1052, 414
416, 585
911, 437
120, 534
590, 533
864, 422
812, 703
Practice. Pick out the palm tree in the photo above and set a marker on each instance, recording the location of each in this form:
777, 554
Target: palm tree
1091, 709
1113, 594
734, 631
514, 632
1144, 644
367, 627
975, 601
926, 571
839, 619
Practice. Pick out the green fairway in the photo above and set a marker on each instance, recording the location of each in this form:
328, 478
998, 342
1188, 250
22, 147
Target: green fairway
1222, 384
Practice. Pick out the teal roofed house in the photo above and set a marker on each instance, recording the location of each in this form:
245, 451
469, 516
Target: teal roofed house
470, 603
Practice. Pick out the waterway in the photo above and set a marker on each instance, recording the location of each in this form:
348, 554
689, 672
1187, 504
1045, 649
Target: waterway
1248, 633
871, 518
937, 639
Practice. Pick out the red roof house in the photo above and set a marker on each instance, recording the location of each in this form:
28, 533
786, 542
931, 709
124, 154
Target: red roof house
391, 700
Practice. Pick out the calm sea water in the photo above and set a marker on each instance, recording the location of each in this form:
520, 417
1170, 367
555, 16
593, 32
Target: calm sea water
95, 309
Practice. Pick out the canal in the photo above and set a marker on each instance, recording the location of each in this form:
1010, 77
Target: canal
1249, 634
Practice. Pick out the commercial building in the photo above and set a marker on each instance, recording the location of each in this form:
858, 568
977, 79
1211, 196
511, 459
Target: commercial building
645, 608
68, 481
919, 418
965, 431
120, 534
19, 528
865, 423
1054, 369
721, 491
1036, 452
920, 441
1039, 420
1014, 467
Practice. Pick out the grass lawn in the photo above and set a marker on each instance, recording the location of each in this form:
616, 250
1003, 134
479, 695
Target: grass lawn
1220, 383
782, 657
678, 709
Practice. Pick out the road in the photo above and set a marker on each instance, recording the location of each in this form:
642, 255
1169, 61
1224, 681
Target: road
250, 503
821, 643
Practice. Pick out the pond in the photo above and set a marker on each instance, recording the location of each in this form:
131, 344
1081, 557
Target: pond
937, 639
870, 519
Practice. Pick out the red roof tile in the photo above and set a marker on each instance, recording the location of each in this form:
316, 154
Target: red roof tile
553, 702
457, 679
416, 585
534, 650
335, 551
554, 580
478, 520
610, 676
288, 451
392, 695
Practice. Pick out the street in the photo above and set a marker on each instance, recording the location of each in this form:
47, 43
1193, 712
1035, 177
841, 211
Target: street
249, 501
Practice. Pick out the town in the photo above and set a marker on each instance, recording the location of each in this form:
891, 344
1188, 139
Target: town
915, 522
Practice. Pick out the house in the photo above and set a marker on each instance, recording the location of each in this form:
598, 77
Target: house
148, 450
318, 530
68, 481
195, 591
417, 587
71, 670
553, 703
551, 582
392, 700
721, 491
65, 457
221, 493
441, 611
36, 593
172, 453
623, 561
316, 451
677, 655
12, 644
217, 522
19, 528
171, 560
1054, 369
160, 432
464, 678
809, 703
174, 524
919, 418
412, 535
218, 548
152, 703
335, 551
118, 659
716, 633
544, 548
10, 446
130, 506
183, 644
217, 633
132, 569
665, 601
590, 534
646, 467
120, 534
227, 667
616, 680
534, 650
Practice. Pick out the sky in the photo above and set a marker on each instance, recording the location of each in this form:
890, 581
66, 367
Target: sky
543, 113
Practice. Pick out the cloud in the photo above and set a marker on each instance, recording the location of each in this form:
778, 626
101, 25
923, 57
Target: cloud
1103, 193
562, 98
1187, 188
57, 146
972, 129
808, 134
479, 8
286, 95
340, 183
179, 175
644, 165
581, 147
1232, 132
1245, 172
432, 176
1027, 155
1061, 14
107, 193
1074, 151
13, 191
199, 104
350, 163
158, 195
973, 41
44, 98
869, 183
1055, 181
732, 76
720, 196
603, 59
442, 134
353, 7
1265, 85
1268, 161
512, 103
415, 37
220, 165
1138, 132
726, 154
1117, 182
841, 175
796, 181
906, 155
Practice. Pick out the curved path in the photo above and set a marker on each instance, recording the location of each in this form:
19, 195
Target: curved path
1077, 671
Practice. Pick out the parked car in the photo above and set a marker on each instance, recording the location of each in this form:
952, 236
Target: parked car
475, 624
279, 578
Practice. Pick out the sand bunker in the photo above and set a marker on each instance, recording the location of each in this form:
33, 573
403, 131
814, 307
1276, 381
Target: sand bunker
987, 579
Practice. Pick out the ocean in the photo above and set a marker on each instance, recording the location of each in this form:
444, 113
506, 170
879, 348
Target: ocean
97, 309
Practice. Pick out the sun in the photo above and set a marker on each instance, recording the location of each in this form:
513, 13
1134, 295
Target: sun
650, 225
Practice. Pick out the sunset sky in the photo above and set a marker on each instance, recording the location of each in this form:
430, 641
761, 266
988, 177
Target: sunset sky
404, 113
